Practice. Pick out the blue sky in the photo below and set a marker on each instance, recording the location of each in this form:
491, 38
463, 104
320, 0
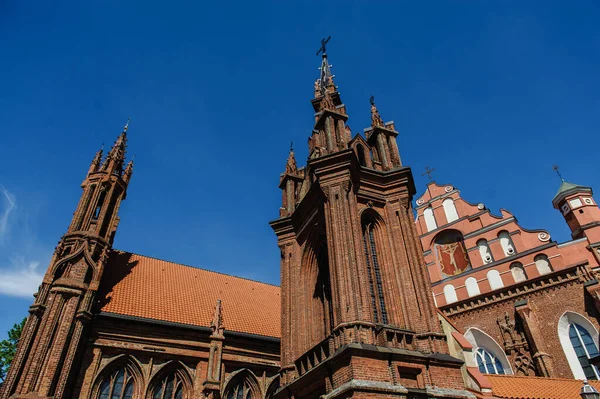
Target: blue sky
491, 94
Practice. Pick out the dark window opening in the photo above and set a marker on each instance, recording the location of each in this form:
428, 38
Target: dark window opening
360, 150
99, 205
170, 387
119, 385
374, 276
91, 192
323, 288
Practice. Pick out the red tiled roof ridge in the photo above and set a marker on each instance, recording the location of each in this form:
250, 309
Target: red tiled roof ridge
194, 267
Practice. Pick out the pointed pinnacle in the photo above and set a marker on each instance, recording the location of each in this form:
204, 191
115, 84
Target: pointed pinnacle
127, 124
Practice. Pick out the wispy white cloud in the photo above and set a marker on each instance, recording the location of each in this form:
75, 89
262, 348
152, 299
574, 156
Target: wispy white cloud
8, 208
21, 278
20, 250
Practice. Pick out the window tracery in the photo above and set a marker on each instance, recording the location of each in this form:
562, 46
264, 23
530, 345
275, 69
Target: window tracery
170, 387
118, 385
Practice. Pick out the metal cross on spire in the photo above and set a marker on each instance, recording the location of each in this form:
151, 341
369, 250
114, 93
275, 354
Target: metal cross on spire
555, 168
428, 172
323, 44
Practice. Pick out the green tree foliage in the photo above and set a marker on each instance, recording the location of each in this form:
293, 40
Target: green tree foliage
8, 348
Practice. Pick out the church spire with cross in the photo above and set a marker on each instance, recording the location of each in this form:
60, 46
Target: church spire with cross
324, 83
346, 241
329, 133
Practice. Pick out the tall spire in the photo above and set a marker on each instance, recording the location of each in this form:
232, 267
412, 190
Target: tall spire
116, 157
325, 82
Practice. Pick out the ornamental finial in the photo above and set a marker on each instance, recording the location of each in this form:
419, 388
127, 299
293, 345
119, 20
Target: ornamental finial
555, 168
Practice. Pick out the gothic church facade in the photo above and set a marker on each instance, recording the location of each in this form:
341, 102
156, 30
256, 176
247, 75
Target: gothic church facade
354, 316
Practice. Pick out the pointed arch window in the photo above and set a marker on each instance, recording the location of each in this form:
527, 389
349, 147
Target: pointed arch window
585, 349
360, 151
240, 389
99, 205
374, 273
119, 385
487, 362
578, 338
488, 355
170, 387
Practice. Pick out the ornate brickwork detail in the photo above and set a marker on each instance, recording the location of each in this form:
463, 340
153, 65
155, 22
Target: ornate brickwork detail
359, 281
515, 345
51, 342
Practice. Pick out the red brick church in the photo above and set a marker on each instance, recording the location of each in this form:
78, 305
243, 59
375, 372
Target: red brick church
459, 304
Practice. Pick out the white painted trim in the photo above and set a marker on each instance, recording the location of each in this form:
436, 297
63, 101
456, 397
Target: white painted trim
478, 338
564, 324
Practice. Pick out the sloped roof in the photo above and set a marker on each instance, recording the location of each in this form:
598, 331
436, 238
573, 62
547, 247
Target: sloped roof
514, 387
139, 286
566, 187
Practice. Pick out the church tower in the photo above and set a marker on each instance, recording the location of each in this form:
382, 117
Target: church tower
50, 344
579, 210
358, 317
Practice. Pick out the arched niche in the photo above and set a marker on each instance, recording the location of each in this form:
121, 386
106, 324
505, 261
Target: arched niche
542, 263
429, 217
450, 210
506, 243
484, 251
316, 290
451, 253
472, 286
495, 279
518, 272
450, 294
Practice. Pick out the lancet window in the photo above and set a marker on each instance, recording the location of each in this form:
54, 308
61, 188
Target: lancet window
118, 385
374, 272
170, 387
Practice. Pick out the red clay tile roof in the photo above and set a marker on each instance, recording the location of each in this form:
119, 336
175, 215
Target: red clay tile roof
140, 286
510, 386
